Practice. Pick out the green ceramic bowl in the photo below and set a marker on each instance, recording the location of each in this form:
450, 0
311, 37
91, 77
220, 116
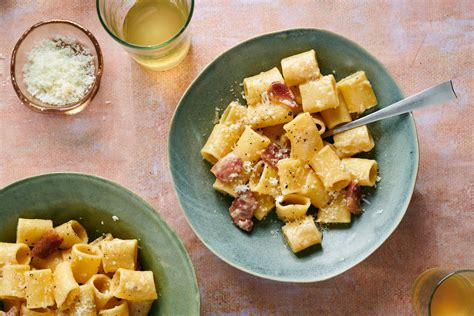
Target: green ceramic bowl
93, 201
264, 252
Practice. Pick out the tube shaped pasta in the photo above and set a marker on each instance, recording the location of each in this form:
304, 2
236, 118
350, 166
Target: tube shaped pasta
118, 310
357, 92
12, 284
292, 206
48, 263
314, 189
101, 286
134, 285
254, 86
11, 253
339, 154
225, 188
85, 262
234, 114
138, 308
119, 253
84, 304
335, 212
39, 288
329, 168
66, 289
29, 231
320, 125
302, 233
25, 311
364, 171
265, 203
250, 144
268, 114
72, 233
354, 141
319, 95
291, 175
299, 68
338, 115
220, 142
264, 180
304, 137
98, 240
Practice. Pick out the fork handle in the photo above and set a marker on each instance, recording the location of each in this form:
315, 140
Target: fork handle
440, 93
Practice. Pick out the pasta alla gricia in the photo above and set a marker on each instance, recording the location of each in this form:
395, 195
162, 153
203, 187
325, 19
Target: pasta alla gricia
74, 276
279, 160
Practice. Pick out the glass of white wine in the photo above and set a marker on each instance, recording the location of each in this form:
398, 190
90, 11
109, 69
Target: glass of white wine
444, 292
154, 32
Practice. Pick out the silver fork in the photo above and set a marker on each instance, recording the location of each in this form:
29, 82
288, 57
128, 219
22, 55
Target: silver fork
440, 93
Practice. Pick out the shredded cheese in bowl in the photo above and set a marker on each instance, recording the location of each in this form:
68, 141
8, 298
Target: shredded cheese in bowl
59, 71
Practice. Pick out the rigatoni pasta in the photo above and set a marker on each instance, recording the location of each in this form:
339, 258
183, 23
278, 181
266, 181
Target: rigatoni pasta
134, 285
330, 170
14, 253
39, 288
301, 233
84, 304
250, 144
264, 180
267, 114
102, 291
72, 233
118, 253
278, 160
337, 115
364, 171
266, 203
74, 277
86, 260
256, 85
354, 141
357, 92
300, 68
336, 212
66, 288
314, 189
291, 175
235, 113
12, 284
304, 137
319, 95
292, 206
30, 230
220, 142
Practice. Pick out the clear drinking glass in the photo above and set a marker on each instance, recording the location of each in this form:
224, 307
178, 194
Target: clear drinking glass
158, 57
444, 292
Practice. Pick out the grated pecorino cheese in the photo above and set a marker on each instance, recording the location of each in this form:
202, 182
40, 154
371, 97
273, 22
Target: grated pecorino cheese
59, 71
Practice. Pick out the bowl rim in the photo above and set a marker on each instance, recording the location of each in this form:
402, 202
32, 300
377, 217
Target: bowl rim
376, 245
149, 209
82, 103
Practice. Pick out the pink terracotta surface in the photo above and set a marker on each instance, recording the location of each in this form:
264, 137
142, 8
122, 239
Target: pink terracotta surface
125, 140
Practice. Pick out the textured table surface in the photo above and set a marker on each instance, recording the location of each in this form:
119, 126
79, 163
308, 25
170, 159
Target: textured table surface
420, 42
